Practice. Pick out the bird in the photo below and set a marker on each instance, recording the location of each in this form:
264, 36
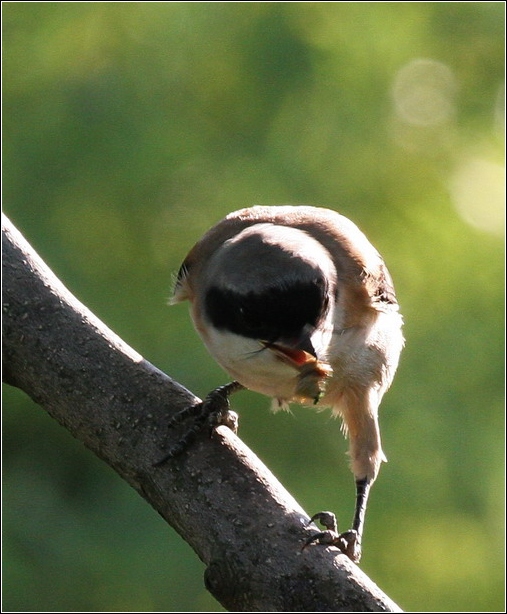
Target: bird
295, 303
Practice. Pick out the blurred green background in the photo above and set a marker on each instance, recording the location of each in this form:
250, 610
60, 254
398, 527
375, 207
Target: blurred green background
129, 129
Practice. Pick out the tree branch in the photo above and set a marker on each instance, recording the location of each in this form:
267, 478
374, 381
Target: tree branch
223, 501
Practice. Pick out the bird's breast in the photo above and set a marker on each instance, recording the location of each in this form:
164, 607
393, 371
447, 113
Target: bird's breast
269, 368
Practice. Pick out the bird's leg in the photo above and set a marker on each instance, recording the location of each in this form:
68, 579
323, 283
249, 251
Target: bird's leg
353, 538
348, 542
214, 410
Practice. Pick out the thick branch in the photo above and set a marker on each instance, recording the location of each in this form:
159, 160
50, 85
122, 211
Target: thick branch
223, 501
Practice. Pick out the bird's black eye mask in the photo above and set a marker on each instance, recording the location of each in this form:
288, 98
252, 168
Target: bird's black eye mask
275, 313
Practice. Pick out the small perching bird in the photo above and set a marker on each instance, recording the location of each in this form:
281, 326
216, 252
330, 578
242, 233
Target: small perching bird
295, 303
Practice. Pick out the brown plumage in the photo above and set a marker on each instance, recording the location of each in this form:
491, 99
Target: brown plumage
295, 303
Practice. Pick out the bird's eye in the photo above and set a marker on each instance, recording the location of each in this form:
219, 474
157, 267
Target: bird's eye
250, 318
234, 312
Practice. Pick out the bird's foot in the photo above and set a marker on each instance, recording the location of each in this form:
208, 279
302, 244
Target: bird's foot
348, 542
214, 410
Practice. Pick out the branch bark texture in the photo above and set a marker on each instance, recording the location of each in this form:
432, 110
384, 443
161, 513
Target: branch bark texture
223, 501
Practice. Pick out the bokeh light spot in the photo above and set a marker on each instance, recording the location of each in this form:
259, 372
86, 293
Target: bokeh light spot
423, 92
478, 193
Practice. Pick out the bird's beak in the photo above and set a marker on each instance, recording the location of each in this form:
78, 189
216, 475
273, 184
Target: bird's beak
297, 351
294, 350
295, 356
301, 355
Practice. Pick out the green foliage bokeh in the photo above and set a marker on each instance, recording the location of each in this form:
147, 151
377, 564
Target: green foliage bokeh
128, 130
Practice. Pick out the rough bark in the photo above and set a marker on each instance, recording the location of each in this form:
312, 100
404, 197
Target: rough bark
223, 501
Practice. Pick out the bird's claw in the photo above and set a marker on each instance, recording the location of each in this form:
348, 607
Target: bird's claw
217, 407
214, 410
348, 542
327, 519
